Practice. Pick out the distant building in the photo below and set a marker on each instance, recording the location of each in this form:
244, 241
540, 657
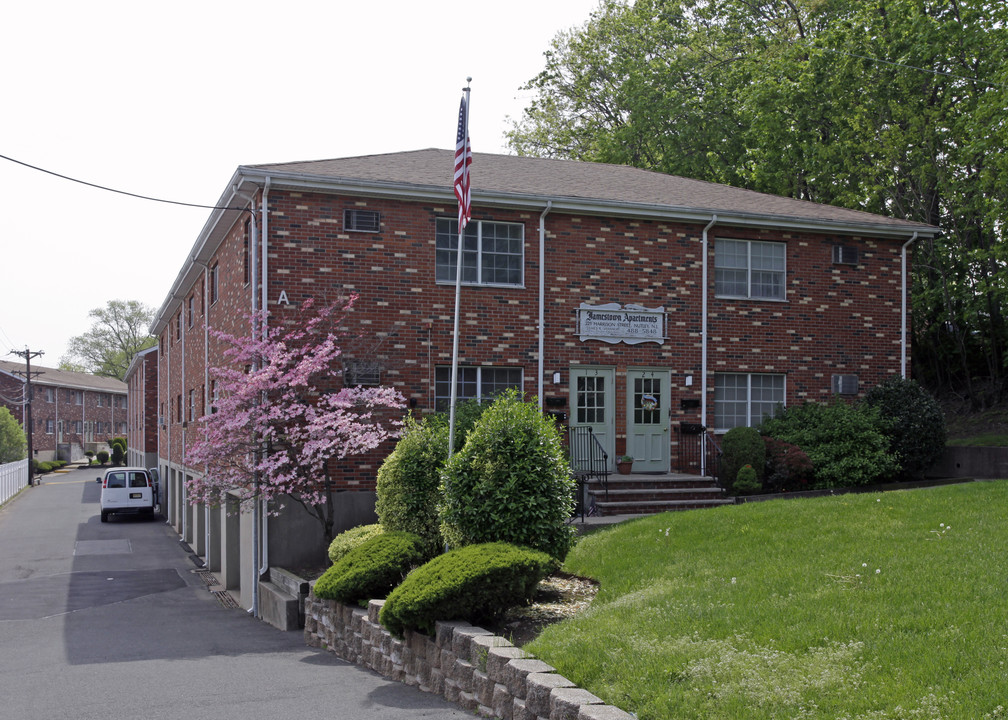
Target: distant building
72, 412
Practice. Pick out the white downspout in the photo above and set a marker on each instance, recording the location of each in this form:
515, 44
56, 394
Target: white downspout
542, 298
703, 353
903, 313
260, 556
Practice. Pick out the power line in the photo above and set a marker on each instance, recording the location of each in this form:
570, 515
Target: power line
120, 192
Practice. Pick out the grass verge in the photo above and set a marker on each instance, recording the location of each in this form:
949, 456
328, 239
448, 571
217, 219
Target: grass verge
853, 607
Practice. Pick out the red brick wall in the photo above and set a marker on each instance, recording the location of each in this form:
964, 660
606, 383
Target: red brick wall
835, 319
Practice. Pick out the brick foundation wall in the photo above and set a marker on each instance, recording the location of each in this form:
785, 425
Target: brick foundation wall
465, 664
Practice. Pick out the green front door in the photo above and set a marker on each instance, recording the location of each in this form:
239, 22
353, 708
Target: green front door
648, 438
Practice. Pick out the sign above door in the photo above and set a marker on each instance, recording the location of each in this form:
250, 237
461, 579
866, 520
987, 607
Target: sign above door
614, 323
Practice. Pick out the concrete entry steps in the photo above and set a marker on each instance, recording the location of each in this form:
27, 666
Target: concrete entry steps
645, 493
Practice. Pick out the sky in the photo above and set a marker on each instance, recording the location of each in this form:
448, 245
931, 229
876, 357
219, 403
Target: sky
167, 100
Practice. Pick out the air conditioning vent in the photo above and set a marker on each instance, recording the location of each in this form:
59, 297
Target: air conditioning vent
845, 255
361, 220
845, 384
361, 373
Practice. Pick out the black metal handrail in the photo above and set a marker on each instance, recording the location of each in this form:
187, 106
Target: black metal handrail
589, 460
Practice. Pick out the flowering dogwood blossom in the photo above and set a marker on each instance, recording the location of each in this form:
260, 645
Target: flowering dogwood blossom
277, 421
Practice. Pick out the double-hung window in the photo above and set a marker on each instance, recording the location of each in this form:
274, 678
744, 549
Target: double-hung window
493, 253
749, 269
743, 400
474, 383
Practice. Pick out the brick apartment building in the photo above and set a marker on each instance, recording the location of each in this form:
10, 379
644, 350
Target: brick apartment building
142, 418
626, 300
72, 412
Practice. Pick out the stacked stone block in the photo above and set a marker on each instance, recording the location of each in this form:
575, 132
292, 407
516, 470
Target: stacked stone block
482, 672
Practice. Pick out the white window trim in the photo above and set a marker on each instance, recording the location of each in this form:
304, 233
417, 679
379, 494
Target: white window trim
749, 296
719, 429
479, 380
479, 256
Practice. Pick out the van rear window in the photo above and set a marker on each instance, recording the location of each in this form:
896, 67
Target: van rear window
116, 480
138, 479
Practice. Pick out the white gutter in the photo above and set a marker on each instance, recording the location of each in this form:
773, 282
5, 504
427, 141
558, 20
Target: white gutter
903, 313
542, 297
703, 351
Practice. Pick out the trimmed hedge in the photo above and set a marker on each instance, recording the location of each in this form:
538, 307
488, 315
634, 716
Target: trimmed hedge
349, 539
371, 569
474, 583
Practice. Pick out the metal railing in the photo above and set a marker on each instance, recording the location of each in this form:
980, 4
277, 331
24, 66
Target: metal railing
698, 450
13, 477
589, 461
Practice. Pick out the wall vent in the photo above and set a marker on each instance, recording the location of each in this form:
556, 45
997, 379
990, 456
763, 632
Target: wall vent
845, 255
361, 220
845, 384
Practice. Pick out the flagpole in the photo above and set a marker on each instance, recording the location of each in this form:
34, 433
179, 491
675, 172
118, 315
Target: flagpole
458, 285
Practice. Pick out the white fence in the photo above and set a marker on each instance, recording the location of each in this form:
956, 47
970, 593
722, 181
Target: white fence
13, 477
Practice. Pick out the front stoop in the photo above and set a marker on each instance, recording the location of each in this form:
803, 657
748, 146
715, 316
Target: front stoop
644, 493
483, 673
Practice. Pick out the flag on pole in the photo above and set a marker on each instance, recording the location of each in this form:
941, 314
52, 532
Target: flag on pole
463, 159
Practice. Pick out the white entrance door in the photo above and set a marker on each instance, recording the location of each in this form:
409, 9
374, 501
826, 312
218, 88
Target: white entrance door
593, 404
648, 438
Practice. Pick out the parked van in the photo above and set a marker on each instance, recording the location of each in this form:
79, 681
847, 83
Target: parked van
127, 490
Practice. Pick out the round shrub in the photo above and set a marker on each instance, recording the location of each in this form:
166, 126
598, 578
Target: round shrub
409, 482
474, 583
510, 483
349, 539
746, 482
102, 457
742, 446
371, 569
787, 469
844, 442
913, 422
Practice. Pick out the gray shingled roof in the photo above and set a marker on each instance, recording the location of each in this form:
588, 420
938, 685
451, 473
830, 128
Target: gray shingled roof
66, 378
510, 179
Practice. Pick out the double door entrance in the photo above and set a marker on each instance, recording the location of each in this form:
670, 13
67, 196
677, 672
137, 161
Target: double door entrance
646, 397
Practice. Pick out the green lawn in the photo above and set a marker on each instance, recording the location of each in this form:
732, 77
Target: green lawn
852, 607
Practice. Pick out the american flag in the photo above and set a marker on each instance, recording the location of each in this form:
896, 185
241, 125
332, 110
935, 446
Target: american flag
463, 159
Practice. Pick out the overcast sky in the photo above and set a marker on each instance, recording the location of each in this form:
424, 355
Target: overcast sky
167, 100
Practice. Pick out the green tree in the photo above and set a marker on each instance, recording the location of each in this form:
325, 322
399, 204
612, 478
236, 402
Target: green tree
13, 443
118, 333
888, 106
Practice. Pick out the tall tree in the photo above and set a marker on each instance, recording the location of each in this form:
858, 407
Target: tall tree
13, 443
889, 106
119, 332
279, 419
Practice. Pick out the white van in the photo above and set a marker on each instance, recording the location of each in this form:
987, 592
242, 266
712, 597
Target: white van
127, 490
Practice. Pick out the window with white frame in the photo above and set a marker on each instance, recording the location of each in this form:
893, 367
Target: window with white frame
78, 397
743, 400
50, 426
493, 253
474, 383
49, 397
749, 269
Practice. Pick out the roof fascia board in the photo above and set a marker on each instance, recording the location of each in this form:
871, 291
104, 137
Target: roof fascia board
588, 207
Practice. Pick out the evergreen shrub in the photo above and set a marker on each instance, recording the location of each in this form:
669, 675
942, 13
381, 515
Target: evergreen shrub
913, 422
742, 446
349, 539
510, 483
103, 457
844, 442
747, 482
409, 482
371, 569
474, 583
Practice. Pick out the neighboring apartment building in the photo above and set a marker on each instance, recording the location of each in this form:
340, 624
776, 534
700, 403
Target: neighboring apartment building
72, 412
629, 301
142, 418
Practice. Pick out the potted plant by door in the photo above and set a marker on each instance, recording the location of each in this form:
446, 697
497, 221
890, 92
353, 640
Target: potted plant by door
624, 464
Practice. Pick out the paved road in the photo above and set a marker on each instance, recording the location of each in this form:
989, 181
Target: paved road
111, 621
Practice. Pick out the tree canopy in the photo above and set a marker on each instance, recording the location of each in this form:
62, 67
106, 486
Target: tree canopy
889, 106
13, 443
119, 332
278, 420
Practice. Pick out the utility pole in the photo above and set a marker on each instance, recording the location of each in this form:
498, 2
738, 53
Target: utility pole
28, 355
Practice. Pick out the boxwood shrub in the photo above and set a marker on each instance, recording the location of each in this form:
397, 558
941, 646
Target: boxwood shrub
371, 569
409, 482
510, 483
742, 446
474, 583
349, 539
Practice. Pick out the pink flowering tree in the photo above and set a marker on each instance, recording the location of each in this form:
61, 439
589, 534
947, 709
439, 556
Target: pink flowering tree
278, 420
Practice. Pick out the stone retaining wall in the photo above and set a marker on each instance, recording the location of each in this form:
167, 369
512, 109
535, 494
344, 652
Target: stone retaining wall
482, 672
